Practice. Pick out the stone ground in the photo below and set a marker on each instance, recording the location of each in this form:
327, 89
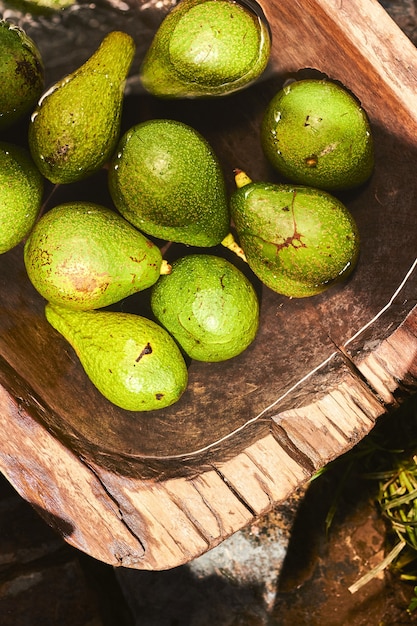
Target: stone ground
266, 575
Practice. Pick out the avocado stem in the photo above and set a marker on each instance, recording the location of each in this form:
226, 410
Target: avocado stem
241, 178
230, 242
165, 268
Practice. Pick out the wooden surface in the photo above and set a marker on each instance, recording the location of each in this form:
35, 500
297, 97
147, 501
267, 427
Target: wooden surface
152, 491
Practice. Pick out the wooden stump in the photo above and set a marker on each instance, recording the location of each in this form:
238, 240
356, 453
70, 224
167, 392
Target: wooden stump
155, 490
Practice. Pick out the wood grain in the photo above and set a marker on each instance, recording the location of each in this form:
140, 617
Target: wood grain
153, 491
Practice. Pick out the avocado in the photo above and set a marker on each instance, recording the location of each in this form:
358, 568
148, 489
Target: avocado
85, 256
208, 305
21, 74
76, 124
298, 240
206, 48
315, 133
167, 181
21, 191
131, 360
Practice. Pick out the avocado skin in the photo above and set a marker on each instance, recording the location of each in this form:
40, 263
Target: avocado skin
131, 360
315, 133
76, 124
206, 48
167, 181
85, 256
21, 192
298, 240
208, 305
21, 74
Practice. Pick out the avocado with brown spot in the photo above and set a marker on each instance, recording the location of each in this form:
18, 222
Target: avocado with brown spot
107, 344
315, 133
21, 74
85, 256
298, 240
76, 124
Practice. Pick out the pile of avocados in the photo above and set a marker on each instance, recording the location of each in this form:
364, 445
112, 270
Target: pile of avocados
166, 182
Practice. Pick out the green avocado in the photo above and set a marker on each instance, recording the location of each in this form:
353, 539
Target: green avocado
206, 48
21, 74
131, 360
75, 126
208, 305
84, 256
46, 7
21, 191
167, 181
315, 133
298, 240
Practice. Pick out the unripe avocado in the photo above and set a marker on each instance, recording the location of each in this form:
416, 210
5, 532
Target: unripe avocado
21, 190
75, 127
206, 48
21, 74
131, 360
315, 133
298, 240
208, 305
84, 256
47, 6
166, 180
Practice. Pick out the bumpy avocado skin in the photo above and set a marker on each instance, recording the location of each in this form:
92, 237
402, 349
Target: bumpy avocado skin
21, 191
75, 126
46, 7
131, 360
84, 256
167, 181
21, 74
315, 133
299, 241
206, 48
208, 305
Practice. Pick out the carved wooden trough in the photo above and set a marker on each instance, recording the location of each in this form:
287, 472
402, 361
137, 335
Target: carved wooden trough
153, 491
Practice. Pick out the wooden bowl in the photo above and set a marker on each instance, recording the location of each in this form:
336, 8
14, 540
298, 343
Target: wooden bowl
155, 490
